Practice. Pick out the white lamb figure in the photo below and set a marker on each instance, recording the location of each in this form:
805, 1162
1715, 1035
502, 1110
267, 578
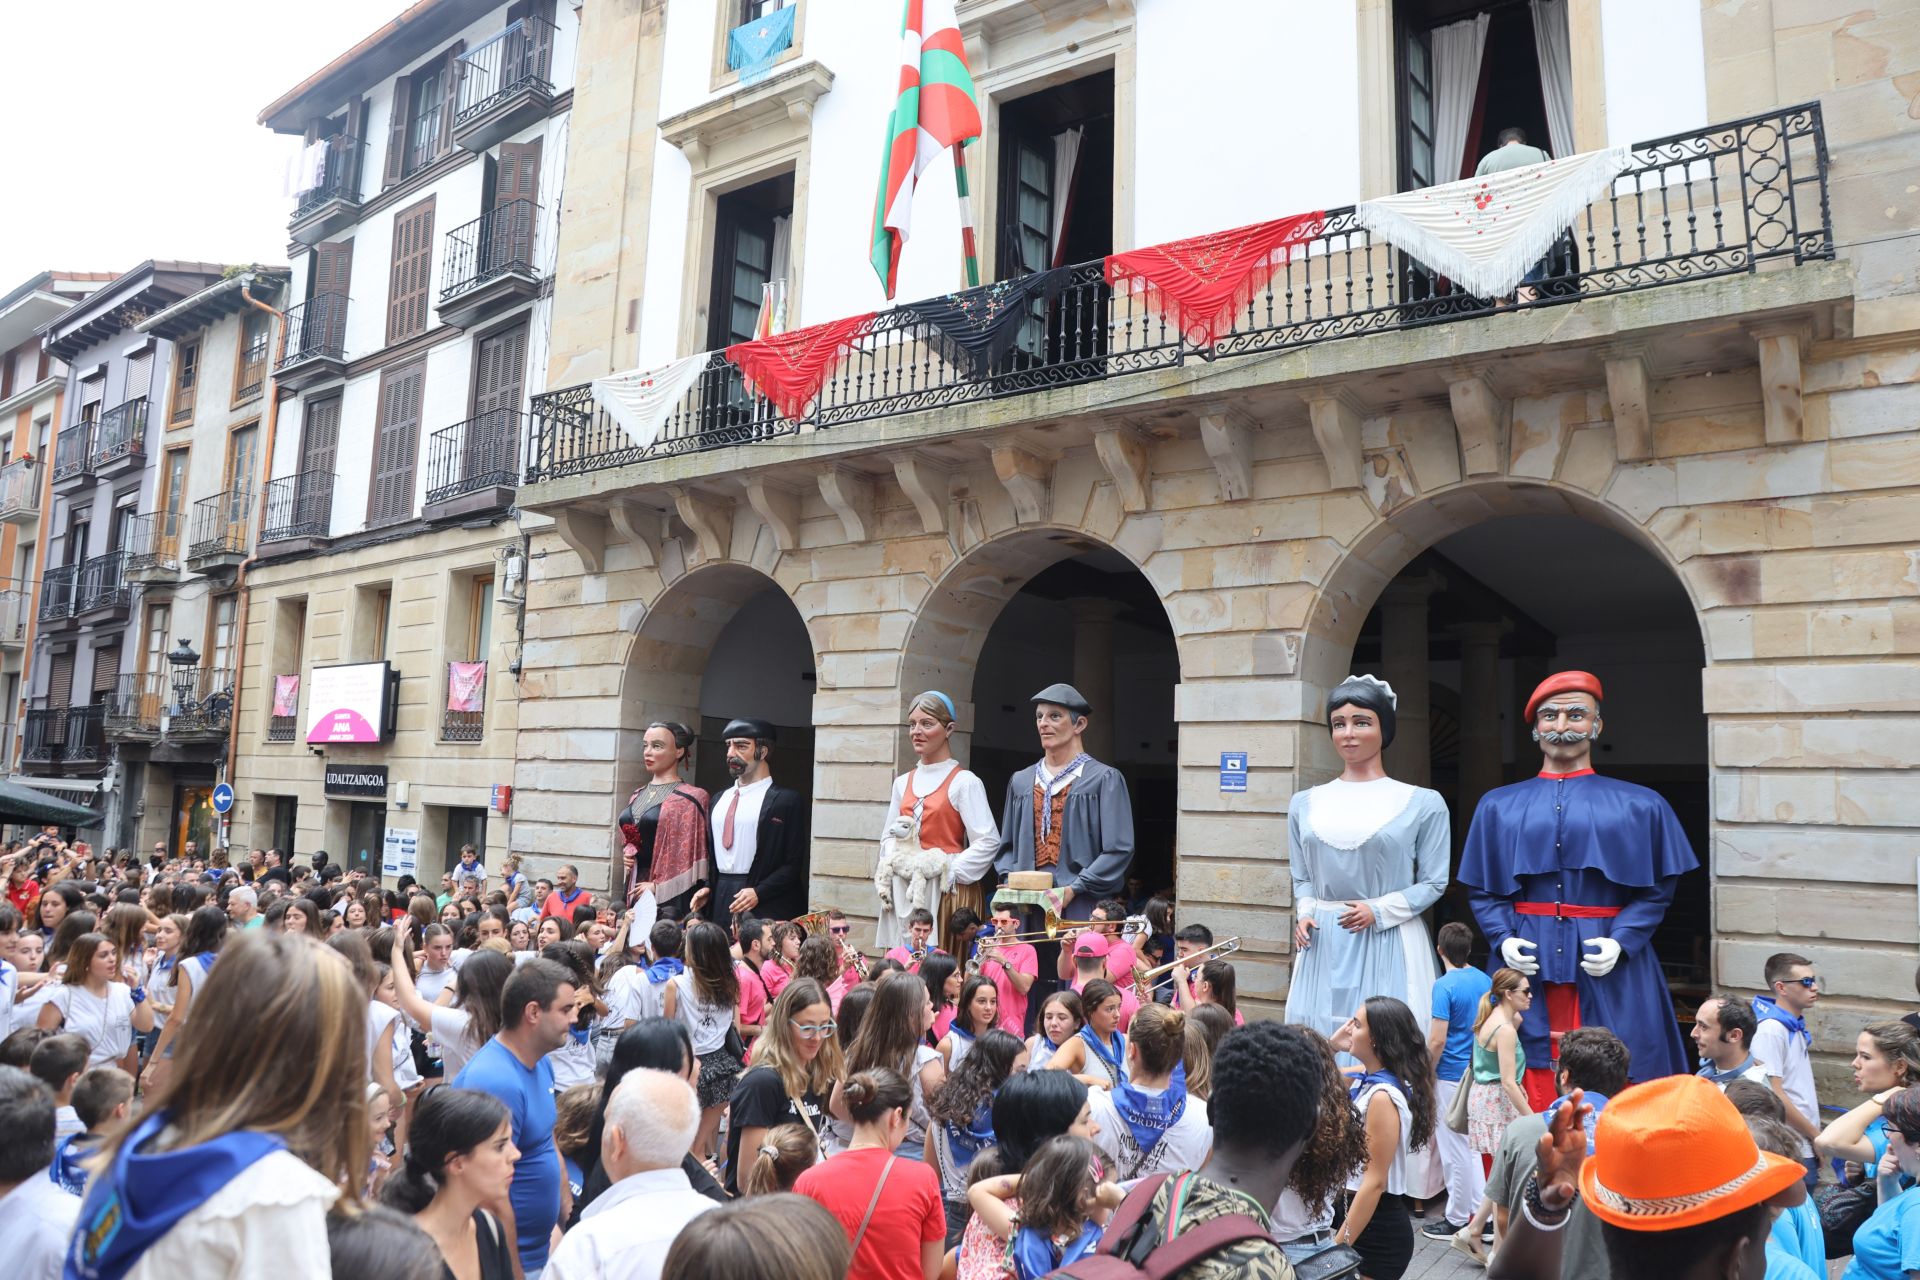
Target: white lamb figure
908, 876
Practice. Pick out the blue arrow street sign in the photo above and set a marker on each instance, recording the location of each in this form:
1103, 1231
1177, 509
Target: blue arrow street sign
222, 798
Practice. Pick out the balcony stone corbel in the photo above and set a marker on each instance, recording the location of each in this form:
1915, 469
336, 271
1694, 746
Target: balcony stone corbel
926, 487
1337, 416
1781, 344
1227, 434
1124, 454
1630, 394
585, 533
850, 494
779, 507
711, 520
640, 527
1481, 416
1028, 479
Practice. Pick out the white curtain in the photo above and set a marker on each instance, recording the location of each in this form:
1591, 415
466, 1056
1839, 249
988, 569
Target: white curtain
1555, 51
1457, 49
1066, 154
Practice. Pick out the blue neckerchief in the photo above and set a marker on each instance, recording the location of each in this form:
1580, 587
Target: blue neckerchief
1713, 1075
1766, 1010
66, 1170
665, 970
1034, 1254
1052, 786
1113, 1055
141, 1197
968, 1142
962, 1032
1598, 1101
1150, 1115
1358, 1084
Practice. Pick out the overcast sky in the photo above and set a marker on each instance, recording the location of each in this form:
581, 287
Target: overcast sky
131, 127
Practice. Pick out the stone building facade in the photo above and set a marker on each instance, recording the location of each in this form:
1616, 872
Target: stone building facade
1753, 439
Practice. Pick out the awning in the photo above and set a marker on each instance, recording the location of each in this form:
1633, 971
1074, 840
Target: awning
21, 801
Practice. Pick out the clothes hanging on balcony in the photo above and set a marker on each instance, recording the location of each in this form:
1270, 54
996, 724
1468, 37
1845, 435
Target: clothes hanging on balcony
1485, 233
790, 368
641, 400
975, 328
753, 46
286, 696
1199, 283
466, 686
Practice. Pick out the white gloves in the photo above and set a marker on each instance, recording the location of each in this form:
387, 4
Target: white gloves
1602, 955
1518, 953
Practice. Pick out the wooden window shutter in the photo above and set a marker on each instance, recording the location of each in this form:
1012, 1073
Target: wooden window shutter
451, 101
60, 680
332, 267
412, 268
397, 130
106, 668
397, 445
320, 435
517, 175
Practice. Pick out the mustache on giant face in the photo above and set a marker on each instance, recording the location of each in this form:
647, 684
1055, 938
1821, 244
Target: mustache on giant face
1564, 737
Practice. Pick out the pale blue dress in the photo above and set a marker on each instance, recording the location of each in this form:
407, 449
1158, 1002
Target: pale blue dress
1382, 842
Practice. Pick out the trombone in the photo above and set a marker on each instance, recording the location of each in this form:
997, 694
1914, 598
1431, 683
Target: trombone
1217, 951
1048, 934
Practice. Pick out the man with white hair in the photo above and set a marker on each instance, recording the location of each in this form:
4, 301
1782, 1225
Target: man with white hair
651, 1121
243, 908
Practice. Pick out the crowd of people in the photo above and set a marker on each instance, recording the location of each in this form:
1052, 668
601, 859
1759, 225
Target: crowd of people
233, 1071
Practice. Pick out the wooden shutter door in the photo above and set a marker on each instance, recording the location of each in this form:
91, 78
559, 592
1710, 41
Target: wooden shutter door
397, 445
332, 266
516, 177
498, 382
451, 77
320, 435
60, 680
412, 267
106, 670
332, 270
396, 167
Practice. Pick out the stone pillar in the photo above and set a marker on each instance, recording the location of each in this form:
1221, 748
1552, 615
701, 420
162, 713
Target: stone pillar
1093, 669
1528, 672
1403, 662
1480, 743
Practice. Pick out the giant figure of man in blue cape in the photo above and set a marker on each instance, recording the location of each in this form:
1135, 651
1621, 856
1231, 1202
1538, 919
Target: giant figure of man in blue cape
1569, 874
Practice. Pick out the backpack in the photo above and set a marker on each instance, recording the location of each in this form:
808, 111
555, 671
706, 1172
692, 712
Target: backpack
1131, 1248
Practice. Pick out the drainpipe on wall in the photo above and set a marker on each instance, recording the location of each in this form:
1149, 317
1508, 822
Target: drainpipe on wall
259, 527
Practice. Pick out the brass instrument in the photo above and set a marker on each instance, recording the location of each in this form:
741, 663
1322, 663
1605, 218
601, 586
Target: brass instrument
1219, 950
817, 926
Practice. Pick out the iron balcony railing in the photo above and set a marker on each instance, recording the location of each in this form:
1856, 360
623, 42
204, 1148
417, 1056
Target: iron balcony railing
339, 176
16, 610
57, 592
464, 726
120, 433
177, 700
298, 506
220, 524
19, 486
73, 455
103, 583
316, 329
153, 541
1730, 199
479, 453
520, 57
281, 728
56, 734
497, 242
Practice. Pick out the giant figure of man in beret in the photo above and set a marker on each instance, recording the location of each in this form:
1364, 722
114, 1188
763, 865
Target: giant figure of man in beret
1068, 813
759, 833
1570, 873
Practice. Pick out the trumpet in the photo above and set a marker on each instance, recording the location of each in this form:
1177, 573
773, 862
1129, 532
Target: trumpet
1219, 950
817, 926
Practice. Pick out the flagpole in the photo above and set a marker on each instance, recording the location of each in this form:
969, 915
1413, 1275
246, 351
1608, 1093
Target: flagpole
969, 251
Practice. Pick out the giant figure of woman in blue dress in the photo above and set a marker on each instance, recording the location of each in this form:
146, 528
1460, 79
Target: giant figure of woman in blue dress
1369, 855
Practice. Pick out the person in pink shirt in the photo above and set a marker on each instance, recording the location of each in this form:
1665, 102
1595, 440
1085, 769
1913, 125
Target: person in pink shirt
783, 955
1090, 950
754, 997
1012, 967
918, 943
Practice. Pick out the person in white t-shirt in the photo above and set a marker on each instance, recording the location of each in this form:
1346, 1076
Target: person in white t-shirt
92, 1003
1148, 1122
1781, 1043
36, 1214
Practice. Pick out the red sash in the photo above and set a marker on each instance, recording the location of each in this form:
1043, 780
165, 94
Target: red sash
1565, 911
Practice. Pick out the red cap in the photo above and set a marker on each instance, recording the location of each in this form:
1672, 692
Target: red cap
1564, 682
1091, 943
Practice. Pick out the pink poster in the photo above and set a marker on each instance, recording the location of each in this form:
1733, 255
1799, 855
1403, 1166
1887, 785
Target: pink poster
286, 695
466, 686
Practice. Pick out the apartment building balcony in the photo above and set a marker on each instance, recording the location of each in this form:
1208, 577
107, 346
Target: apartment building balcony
16, 614
184, 703
120, 440
299, 513
488, 264
104, 595
473, 466
153, 546
64, 735
219, 539
20, 492
1736, 213
73, 456
464, 716
332, 204
58, 588
504, 84
316, 342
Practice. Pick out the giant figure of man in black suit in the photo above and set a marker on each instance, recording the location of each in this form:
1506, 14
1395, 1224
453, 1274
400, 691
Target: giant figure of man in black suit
759, 833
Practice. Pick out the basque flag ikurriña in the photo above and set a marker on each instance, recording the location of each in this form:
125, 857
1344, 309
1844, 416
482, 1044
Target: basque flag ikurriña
936, 111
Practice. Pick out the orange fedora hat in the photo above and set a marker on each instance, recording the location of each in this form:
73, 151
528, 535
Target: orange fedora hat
1674, 1153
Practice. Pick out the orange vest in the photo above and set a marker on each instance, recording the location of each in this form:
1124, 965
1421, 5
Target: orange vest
940, 825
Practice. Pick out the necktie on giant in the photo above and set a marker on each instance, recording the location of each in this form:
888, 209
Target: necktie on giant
726, 823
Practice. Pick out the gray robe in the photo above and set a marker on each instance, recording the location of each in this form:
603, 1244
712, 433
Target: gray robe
1096, 832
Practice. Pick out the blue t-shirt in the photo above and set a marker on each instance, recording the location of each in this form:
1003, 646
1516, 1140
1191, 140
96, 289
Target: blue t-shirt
528, 1093
1456, 997
1877, 1138
1887, 1245
1797, 1237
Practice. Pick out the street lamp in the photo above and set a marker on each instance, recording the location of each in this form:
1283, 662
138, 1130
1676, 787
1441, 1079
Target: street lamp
186, 664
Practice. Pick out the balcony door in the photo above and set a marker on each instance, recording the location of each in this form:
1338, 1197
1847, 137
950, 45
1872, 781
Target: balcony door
499, 380
320, 436
173, 498
516, 177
